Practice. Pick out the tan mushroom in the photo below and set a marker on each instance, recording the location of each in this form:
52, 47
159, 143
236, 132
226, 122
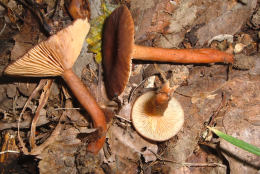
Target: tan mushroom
157, 123
119, 49
55, 57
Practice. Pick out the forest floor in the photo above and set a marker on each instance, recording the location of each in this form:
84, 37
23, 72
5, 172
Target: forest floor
218, 95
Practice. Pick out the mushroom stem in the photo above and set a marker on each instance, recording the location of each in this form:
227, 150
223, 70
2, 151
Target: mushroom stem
89, 103
204, 55
159, 102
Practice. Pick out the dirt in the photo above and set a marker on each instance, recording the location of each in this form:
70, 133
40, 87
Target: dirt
217, 95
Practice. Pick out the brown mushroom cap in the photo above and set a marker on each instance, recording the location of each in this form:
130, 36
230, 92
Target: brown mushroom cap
157, 127
53, 56
118, 44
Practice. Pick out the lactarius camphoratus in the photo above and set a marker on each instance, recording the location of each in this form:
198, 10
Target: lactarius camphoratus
55, 57
119, 49
157, 121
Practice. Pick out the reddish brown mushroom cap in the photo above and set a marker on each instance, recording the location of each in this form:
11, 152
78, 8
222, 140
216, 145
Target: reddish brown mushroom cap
118, 44
157, 126
119, 49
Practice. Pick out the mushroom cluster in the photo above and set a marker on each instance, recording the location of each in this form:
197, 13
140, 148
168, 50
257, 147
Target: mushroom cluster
156, 116
55, 57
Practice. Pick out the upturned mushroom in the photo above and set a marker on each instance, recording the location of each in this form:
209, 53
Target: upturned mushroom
157, 122
55, 57
119, 49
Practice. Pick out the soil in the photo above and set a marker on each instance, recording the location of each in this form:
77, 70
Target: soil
224, 96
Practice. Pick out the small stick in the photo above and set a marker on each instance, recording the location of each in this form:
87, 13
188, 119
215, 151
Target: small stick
43, 100
9, 151
40, 85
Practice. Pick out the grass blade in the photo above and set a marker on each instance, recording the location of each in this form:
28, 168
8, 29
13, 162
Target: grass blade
237, 142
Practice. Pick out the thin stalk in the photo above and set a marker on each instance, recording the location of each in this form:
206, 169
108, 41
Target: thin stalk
89, 103
204, 55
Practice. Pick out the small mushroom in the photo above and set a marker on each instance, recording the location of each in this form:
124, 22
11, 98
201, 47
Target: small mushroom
158, 123
55, 57
119, 48
79, 9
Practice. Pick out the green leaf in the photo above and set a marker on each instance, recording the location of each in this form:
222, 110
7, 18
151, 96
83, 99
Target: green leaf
95, 33
237, 142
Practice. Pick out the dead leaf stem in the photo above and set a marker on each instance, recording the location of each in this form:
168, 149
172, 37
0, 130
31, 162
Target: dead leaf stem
40, 86
43, 100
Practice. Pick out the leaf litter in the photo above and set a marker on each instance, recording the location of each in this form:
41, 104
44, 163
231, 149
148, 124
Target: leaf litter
58, 134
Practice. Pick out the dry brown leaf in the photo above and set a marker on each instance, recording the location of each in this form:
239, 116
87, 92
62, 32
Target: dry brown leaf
42, 102
127, 144
244, 107
23, 42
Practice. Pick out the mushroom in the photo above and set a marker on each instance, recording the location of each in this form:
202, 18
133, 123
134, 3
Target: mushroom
55, 57
119, 48
157, 123
79, 9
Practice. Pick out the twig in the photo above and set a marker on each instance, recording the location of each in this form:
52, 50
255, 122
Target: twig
161, 72
3, 29
120, 117
131, 94
39, 15
9, 151
52, 12
56, 109
43, 100
26, 123
187, 164
184, 95
38, 149
17, 15
215, 113
40, 85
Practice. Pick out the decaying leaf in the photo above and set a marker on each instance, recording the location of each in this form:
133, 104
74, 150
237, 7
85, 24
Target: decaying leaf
95, 33
128, 145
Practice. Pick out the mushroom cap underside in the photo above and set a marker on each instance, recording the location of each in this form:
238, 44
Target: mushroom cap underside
117, 50
53, 56
156, 127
